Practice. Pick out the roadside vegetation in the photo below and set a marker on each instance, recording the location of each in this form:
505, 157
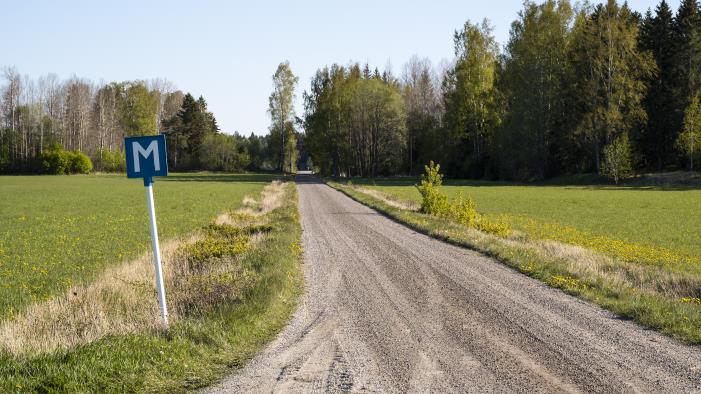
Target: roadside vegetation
657, 286
650, 220
231, 287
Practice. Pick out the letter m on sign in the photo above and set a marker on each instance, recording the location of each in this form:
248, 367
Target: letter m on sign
146, 156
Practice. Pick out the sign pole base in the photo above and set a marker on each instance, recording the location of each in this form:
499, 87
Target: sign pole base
148, 182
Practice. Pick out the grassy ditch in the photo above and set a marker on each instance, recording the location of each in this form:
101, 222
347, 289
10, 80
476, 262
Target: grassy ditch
231, 287
666, 298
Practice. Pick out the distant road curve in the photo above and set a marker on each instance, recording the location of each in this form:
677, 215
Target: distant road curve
389, 310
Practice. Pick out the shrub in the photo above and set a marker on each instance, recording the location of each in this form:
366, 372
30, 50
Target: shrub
221, 152
501, 229
78, 162
57, 161
228, 231
432, 201
199, 293
217, 247
110, 161
209, 271
54, 161
462, 209
617, 161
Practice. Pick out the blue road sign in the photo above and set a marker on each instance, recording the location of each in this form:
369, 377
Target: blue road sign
146, 156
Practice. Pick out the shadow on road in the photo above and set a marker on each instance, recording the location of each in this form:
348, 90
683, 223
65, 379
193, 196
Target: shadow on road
308, 178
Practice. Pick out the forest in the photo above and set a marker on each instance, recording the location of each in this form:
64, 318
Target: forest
76, 126
576, 89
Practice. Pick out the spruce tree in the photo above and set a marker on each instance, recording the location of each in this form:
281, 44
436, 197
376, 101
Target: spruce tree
657, 35
686, 23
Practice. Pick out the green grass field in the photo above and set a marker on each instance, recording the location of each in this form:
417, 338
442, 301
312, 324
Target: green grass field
228, 296
56, 231
639, 224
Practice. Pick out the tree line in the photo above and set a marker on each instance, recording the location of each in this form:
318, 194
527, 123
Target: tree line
53, 126
593, 88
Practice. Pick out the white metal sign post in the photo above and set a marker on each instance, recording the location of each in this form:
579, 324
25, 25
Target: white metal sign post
156, 253
146, 158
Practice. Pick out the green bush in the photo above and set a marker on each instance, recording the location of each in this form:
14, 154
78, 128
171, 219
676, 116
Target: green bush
617, 159
228, 231
106, 160
57, 161
54, 161
217, 247
500, 228
462, 209
221, 152
432, 201
78, 163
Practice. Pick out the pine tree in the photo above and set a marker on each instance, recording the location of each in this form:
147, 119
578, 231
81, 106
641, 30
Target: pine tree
187, 130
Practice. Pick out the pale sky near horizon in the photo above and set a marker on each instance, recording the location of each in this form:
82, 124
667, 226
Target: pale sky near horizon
228, 51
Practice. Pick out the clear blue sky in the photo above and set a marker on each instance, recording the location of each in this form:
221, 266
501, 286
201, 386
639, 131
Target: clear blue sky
226, 50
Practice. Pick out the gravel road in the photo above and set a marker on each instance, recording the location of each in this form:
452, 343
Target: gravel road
389, 310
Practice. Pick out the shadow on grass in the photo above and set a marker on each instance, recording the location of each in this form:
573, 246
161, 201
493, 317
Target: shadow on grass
211, 177
588, 183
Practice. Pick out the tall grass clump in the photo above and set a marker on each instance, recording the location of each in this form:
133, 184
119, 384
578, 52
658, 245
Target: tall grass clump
462, 209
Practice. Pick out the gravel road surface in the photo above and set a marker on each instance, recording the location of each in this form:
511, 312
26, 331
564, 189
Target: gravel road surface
389, 310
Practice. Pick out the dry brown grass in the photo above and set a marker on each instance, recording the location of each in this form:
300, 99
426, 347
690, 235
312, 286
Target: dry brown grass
123, 300
389, 200
590, 266
271, 198
593, 266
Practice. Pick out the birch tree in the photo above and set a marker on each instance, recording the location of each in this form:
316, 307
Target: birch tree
535, 66
77, 113
281, 108
617, 78
470, 98
689, 140
421, 97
